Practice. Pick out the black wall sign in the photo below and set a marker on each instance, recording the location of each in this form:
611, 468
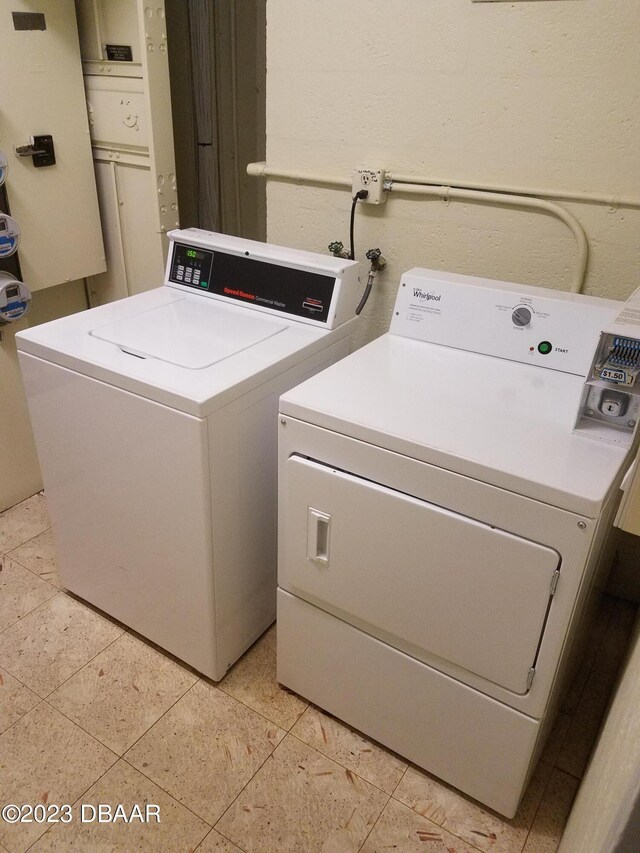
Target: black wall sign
119, 52
29, 21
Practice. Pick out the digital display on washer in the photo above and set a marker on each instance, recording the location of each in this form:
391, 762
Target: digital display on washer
298, 292
191, 266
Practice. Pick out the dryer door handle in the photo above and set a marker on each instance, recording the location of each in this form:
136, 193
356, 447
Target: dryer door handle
318, 535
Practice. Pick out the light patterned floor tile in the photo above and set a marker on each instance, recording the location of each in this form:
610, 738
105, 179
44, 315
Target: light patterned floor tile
253, 682
20, 592
122, 692
552, 815
22, 522
177, 831
302, 801
466, 818
15, 700
399, 828
53, 642
350, 749
216, 843
205, 749
45, 758
39, 556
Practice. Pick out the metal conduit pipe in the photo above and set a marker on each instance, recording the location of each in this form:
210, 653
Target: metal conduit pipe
565, 195
261, 170
551, 207
444, 192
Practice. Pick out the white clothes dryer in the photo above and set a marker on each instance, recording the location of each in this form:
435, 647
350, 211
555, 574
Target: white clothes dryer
442, 525
155, 424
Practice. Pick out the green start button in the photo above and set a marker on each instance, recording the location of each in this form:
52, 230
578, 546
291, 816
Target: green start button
544, 347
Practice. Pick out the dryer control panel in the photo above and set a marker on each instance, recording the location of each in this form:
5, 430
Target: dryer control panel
533, 325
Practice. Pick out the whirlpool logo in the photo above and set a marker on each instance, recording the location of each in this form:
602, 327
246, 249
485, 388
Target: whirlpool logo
418, 293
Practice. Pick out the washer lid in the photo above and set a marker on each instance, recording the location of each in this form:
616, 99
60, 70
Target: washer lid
187, 334
193, 354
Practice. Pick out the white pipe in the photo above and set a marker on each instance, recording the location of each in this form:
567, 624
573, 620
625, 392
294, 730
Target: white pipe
261, 170
566, 195
446, 192
551, 207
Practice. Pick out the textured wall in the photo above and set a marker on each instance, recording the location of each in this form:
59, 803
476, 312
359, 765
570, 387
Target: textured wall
526, 94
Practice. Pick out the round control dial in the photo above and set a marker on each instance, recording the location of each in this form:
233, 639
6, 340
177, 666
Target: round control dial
521, 316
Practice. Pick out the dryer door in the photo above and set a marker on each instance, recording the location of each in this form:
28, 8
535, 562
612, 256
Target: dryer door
441, 586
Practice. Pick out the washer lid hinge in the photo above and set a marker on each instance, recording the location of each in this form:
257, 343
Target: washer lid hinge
554, 581
530, 675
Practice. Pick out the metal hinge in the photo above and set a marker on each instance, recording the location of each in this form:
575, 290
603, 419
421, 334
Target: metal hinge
554, 581
530, 675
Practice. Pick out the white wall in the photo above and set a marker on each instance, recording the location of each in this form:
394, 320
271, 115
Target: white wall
533, 94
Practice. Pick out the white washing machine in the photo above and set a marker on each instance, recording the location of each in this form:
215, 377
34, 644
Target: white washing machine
155, 420
442, 523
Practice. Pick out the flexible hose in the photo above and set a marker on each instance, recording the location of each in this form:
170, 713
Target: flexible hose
366, 293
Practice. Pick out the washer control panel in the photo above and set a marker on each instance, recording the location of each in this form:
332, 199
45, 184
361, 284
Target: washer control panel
315, 289
241, 278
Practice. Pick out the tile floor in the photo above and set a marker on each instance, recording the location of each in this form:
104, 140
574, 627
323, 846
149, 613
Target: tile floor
90, 714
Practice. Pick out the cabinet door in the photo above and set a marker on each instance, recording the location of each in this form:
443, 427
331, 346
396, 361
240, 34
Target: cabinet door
443, 587
55, 205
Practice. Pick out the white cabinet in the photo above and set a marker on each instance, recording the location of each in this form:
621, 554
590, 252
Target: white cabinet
56, 206
126, 74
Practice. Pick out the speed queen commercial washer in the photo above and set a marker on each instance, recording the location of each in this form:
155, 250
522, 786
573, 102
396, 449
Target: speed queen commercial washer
442, 523
155, 420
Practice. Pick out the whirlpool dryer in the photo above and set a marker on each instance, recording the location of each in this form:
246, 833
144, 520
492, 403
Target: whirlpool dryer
442, 524
155, 420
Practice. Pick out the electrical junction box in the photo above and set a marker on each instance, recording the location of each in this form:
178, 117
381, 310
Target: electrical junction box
371, 180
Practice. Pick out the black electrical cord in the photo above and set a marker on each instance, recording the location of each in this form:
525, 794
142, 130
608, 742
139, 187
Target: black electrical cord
377, 263
360, 194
